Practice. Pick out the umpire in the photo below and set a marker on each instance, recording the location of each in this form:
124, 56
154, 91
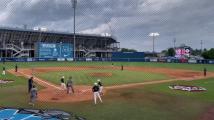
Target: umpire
70, 86
30, 84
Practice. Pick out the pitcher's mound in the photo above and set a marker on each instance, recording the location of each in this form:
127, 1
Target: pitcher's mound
101, 74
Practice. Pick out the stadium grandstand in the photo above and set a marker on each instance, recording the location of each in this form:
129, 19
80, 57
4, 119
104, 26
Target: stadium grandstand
23, 42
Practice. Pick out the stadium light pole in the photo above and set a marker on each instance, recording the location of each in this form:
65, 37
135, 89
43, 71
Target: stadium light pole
201, 46
74, 4
60, 49
153, 35
174, 41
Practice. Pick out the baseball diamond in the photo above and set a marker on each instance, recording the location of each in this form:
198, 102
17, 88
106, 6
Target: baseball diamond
137, 80
106, 60
133, 88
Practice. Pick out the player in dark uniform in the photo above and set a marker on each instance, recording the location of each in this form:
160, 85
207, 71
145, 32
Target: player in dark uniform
30, 84
69, 86
16, 68
205, 72
121, 67
96, 93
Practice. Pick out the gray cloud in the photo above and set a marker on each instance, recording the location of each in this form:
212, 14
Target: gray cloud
129, 20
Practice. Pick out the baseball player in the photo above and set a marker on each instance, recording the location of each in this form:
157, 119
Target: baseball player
96, 93
121, 67
69, 85
112, 65
33, 95
30, 84
100, 86
205, 72
3, 71
63, 83
16, 68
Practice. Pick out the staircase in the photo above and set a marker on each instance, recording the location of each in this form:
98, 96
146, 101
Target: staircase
18, 52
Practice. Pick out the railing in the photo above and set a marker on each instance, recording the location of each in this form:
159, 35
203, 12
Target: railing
12, 46
19, 52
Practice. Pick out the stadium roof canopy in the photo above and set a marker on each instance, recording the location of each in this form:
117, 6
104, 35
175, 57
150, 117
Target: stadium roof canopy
57, 33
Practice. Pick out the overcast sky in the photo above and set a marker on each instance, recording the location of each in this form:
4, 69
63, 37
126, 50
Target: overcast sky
130, 21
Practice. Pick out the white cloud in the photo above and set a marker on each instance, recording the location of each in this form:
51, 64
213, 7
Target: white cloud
129, 20
3, 16
103, 28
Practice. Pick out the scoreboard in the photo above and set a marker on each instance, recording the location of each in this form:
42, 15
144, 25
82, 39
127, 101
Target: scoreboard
182, 52
54, 50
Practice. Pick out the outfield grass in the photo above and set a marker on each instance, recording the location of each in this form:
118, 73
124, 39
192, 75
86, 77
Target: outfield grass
150, 102
207, 96
118, 77
17, 80
198, 67
139, 103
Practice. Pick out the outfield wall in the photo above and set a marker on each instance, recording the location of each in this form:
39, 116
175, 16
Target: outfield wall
108, 60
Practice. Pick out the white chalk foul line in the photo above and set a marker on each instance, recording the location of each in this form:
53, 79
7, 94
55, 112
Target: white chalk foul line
41, 81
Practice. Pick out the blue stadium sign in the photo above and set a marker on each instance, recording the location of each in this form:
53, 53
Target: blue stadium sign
32, 114
55, 50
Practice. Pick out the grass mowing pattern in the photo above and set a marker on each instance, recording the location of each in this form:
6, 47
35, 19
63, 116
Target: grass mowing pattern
139, 103
207, 96
151, 102
118, 77
198, 67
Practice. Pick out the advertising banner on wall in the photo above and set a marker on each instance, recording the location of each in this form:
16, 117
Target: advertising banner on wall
55, 50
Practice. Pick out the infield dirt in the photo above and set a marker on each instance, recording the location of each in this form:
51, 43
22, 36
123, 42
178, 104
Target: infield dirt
53, 93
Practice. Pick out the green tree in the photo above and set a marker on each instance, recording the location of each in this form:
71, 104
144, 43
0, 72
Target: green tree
171, 52
196, 52
128, 50
209, 54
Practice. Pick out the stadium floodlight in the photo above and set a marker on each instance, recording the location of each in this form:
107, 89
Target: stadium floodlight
201, 46
153, 35
74, 5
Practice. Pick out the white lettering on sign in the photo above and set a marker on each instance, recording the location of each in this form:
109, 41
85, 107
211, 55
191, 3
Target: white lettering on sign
49, 45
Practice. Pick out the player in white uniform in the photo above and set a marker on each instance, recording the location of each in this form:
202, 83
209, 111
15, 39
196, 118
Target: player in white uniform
3, 71
63, 86
100, 86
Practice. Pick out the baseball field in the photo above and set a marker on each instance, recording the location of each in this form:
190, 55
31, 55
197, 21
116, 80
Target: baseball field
138, 92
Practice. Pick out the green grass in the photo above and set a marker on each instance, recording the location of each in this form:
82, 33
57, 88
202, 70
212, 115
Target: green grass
150, 102
197, 67
17, 80
118, 77
139, 103
207, 96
